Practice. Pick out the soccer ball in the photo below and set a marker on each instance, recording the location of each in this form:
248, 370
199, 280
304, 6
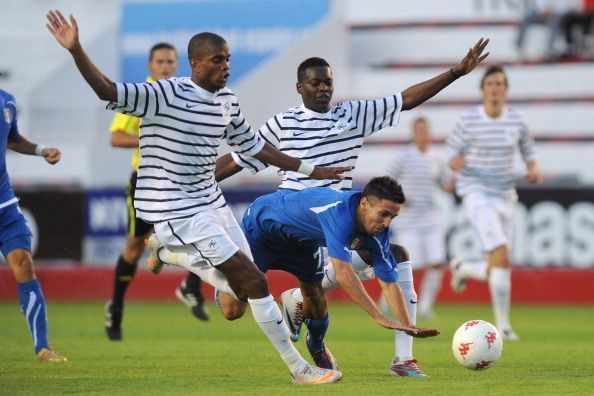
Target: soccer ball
477, 345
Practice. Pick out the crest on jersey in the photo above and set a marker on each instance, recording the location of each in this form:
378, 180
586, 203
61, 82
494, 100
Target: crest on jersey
226, 107
7, 115
355, 243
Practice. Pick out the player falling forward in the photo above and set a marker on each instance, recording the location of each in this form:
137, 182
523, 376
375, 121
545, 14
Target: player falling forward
333, 135
15, 235
422, 172
125, 131
183, 123
483, 145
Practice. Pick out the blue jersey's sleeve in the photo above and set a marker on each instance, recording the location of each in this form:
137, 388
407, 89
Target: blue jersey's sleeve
384, 264
13, 133
335, 233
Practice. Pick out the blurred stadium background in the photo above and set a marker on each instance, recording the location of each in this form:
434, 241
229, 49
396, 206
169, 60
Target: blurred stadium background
376, 47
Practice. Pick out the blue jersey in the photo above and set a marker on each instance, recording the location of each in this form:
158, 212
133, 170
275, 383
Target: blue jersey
8, 131
326, 217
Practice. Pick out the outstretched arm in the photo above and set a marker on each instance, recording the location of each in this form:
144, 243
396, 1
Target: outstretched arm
419, 93
351, 284
67, 36
21, 145
226, 167
273, 156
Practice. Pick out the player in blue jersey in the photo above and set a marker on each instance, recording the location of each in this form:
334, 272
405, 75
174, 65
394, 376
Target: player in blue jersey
285, 231
15, 235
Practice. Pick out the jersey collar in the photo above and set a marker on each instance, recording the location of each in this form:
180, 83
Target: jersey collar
315, 113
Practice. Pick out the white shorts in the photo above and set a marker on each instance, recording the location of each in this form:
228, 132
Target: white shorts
426, 245
491, 218
209, 238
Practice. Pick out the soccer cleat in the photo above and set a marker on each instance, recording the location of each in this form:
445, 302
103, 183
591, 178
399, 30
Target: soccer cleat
47, 355
292, 314
407, 368
217, 293
457, 281
324, 358
509, 335
312, 375
113, 322
190, 300
154, 263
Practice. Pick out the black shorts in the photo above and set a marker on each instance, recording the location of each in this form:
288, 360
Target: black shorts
136, 227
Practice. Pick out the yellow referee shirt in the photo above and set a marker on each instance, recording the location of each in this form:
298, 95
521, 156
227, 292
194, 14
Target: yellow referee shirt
129, 124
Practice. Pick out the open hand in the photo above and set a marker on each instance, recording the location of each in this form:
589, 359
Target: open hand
457, 163
472, 58
51, 155
66, 34
425, 333
330, 173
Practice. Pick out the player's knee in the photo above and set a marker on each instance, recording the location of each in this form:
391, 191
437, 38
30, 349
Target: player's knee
400, 253
134, 249
21, 264
233, 312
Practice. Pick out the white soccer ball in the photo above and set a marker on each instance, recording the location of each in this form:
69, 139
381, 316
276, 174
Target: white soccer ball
477, 345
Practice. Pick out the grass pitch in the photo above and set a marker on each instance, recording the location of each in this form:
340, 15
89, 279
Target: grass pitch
166, 351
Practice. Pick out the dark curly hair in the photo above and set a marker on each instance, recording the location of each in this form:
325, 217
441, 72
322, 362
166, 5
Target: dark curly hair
384, 187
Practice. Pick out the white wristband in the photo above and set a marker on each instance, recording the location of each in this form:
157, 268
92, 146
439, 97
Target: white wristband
306, 168
39, 149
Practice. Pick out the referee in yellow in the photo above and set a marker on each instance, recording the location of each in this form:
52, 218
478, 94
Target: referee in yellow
125, 132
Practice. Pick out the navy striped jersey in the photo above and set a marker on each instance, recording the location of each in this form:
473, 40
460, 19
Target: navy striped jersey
325, 139
182, 128
323, 216
8, 131
421, 174
489, 146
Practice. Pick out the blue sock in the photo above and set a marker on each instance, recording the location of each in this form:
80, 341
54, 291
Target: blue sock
33, 306
316, 332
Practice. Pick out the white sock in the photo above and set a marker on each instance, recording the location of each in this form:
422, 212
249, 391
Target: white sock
178, 259
500, 287
269, 318
430, 289
474, 270
404, 342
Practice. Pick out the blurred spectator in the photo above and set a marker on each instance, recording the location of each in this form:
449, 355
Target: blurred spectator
545, 12
578, 28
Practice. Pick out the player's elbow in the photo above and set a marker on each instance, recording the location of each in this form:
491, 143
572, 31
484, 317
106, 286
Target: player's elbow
400, 253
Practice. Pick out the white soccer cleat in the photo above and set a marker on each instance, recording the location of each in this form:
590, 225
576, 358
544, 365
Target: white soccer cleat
312, 375
458, 281
154, 263
292, 314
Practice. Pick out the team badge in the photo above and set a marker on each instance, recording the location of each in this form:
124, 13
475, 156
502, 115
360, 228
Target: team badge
355, 243
226, 107
7, 115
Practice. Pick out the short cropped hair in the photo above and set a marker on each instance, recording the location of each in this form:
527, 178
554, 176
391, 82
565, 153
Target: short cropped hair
199, 42
492, 70
384, 187
160, 46
309, 63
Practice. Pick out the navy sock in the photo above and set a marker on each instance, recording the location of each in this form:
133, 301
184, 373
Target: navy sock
316, 332
33, 306
124, 272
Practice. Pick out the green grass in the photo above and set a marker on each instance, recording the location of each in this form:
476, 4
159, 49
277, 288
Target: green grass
166, 351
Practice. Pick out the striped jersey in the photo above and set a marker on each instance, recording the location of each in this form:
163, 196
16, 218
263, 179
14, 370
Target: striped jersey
181, 130
489, 146
324, 139
130, 125
421, 174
